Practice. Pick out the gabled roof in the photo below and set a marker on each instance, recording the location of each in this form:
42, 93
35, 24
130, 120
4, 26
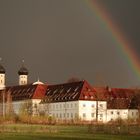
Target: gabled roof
80, 90
117, 98
24, 92
121, 98
119, 103
102, 93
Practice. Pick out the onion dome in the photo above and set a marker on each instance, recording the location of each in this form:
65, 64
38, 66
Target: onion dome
2, 70
23, 70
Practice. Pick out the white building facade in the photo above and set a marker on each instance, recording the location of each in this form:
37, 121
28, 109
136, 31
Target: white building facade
69, 101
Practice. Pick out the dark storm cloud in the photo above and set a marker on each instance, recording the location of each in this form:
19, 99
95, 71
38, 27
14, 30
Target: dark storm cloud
60, 39
126, 15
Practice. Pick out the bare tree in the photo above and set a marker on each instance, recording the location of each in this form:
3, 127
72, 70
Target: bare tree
9, 105
26, 108
73, 79
45, 106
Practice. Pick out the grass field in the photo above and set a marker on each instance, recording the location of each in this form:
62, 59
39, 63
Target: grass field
38, 132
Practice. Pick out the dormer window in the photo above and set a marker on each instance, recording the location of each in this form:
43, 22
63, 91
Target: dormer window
68, 90
86, 97
76, 89
55, 91
61, 90
49, 92
89, 89
91, 97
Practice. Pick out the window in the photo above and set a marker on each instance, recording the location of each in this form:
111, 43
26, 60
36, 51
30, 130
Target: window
71, 115
92, 105
132, 113
101, 115
118, 113
101, 105
92, 115
76, 115
64, 115
100, 119
67, 105
67, 115
84, 105
56, 106
71, 105
84, 115
57, 115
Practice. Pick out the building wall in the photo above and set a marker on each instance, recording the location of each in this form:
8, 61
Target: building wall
102, 111
83, 110
87, 110
62, 110
17, 106
32, 106
114, 114
133, 114
35, 106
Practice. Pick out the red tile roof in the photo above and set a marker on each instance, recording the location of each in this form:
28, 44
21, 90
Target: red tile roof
80, 90
24, 92
117, 98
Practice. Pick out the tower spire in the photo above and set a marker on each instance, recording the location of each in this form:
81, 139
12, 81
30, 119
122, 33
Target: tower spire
23, 62
38, 79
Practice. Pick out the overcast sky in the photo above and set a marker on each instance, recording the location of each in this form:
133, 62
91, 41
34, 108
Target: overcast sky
60, 39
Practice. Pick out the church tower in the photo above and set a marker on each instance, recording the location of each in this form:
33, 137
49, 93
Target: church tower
2, 77
23, 74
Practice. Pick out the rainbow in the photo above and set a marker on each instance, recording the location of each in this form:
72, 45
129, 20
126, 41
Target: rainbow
122, 43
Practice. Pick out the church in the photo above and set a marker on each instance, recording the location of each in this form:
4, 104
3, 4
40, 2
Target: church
69, 101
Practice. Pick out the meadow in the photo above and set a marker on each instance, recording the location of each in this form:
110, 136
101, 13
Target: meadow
56, 132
